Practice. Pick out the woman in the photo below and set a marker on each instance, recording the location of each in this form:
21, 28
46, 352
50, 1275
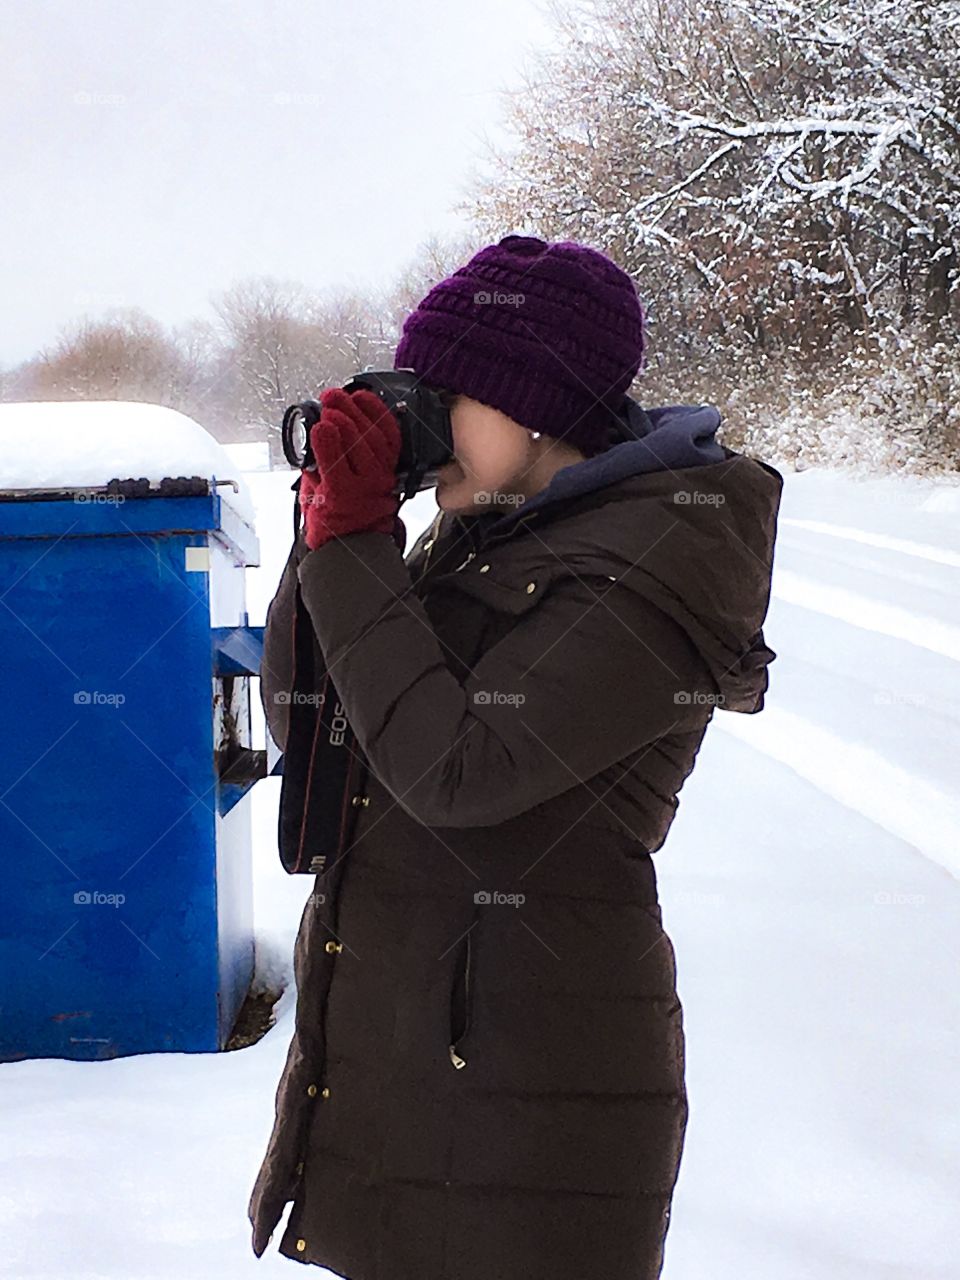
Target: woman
486, 1081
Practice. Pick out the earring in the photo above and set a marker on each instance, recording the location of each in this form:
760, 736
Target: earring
535, 435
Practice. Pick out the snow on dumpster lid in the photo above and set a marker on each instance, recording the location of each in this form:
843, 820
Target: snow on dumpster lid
87, 443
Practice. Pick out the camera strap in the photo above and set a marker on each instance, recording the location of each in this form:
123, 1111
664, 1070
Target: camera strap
322, 762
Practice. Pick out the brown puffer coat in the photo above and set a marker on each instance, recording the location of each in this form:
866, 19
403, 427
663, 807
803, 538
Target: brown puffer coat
486, 1079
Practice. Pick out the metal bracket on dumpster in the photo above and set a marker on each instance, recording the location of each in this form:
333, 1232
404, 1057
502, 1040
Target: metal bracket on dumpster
237, 651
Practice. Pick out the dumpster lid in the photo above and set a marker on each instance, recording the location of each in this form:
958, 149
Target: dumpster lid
57, 444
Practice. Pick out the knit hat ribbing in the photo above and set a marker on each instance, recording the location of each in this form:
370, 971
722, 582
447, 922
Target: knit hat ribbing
551, 334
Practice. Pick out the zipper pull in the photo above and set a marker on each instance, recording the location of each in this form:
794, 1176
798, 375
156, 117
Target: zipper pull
455, 1058
428, 545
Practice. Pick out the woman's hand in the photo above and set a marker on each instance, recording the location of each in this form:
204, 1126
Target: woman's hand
356, 444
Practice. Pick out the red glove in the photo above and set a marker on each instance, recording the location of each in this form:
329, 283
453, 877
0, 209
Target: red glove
356, 444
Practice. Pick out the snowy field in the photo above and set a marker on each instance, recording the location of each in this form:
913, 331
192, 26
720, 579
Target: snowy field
809, 885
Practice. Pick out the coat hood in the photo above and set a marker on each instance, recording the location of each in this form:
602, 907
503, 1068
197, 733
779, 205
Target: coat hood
685, 521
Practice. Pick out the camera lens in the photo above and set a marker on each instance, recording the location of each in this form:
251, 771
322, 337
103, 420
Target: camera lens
298, 437
295, 432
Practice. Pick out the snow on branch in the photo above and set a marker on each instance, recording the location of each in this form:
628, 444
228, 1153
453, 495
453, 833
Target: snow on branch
684, 183
872, 164
801, 125
803, 271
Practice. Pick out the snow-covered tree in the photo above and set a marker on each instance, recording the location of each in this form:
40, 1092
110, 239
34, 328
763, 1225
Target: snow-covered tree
282, 342
769, 170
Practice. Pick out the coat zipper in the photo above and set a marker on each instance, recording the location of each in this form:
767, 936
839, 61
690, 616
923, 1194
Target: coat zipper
455, 1057
434, 530
471, 555
492, 540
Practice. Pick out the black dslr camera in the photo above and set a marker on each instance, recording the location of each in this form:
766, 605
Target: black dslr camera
423, 412
426, 436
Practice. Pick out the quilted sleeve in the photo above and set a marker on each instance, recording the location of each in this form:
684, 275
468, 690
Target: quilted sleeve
577, 685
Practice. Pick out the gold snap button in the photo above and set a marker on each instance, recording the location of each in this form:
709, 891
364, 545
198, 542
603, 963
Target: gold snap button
332, 946
364, 800
612, 577
300, 1167
312, 1090
484, 568
428, 544
301, 1245
531, 586
324, 1093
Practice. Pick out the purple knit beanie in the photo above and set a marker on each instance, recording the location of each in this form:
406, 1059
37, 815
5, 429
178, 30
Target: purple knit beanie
552, 335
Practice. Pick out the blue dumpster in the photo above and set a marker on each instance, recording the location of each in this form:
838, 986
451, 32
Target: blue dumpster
125, 842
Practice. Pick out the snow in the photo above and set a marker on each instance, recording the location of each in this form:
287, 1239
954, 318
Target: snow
252, 455
86, 443
809, 887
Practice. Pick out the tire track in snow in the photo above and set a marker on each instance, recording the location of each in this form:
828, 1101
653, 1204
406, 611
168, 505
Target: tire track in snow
878, 571
867, 613
924, 816
922, 550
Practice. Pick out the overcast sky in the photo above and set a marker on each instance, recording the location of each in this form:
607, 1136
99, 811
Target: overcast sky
153, 154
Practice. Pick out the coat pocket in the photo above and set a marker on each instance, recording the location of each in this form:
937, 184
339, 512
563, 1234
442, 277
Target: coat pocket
461, 1000
511, 589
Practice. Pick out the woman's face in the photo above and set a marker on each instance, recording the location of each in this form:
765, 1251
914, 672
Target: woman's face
493, 464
